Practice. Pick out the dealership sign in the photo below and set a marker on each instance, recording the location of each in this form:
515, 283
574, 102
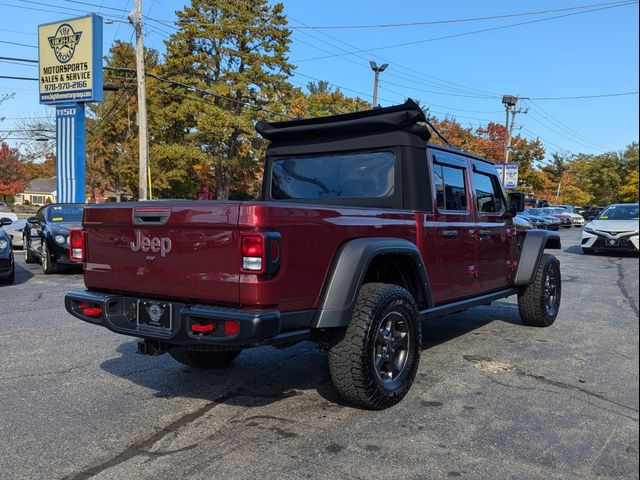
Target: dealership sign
70, 60
508, 173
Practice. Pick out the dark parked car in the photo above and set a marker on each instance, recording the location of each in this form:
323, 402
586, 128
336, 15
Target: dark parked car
46, 235
544, 223
7, 265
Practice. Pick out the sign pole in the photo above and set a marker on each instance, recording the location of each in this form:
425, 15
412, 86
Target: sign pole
70, 153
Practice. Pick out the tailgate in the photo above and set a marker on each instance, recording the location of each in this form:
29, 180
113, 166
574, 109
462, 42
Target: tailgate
176, 250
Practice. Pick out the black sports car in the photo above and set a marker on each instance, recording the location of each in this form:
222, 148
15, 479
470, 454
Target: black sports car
46, 235
7, 265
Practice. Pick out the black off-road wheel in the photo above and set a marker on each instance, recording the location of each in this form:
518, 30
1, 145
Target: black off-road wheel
26, 247
374, 361
204, 360
539, 302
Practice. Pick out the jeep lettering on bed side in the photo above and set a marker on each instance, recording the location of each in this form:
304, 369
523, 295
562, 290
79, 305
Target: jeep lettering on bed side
153, 244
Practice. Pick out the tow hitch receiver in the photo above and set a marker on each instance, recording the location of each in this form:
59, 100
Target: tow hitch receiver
152, 348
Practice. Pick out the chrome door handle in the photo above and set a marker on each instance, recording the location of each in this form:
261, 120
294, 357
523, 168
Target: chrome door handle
449, 233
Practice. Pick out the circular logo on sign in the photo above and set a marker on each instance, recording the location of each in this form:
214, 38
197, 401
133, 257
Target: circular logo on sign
64, 42
155, 312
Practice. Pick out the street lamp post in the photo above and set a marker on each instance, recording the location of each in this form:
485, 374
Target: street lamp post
376, 69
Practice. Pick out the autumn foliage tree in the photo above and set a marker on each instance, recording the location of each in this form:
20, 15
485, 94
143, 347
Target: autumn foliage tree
11, 172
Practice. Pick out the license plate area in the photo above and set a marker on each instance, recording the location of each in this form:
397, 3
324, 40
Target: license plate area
154, 316
612, 243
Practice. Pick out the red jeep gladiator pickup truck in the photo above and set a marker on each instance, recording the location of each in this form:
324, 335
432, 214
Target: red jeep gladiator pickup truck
364, 229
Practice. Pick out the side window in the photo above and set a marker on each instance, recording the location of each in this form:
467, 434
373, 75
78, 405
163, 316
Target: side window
488, 193
451, 190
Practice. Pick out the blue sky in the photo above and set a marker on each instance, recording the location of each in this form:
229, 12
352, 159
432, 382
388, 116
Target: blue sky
464, 77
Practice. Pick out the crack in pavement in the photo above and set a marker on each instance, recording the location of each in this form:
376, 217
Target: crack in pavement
489, 365
43, 374
623, 288
142, 447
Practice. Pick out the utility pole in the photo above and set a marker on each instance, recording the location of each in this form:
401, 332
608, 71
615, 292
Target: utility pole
376, 69
509, 102
142, 103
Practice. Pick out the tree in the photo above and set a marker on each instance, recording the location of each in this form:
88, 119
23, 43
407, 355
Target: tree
44, 169
11, 172
629, 191
112, 131
322, 103
231, 55
322, 86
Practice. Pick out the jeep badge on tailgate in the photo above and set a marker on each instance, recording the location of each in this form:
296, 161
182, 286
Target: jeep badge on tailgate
151, 244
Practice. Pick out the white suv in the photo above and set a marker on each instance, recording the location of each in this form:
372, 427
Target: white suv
615, 229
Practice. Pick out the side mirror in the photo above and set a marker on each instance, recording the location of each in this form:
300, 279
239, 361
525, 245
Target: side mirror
5, 221
33, 220
515, 202
592, 218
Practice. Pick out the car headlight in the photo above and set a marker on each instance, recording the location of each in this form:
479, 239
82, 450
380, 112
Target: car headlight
588, 230
60, 239
3, 244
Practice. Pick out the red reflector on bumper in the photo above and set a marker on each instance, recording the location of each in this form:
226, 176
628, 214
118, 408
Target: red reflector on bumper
91, 311
231, 328
203, 327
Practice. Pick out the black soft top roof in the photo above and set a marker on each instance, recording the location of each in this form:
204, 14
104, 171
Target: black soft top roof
401, 120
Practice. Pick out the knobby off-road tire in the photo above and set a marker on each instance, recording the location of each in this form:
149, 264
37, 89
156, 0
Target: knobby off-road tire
206, 360
539, 302
26, 246
374, 361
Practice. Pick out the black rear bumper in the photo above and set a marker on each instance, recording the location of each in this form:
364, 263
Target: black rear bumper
263, 327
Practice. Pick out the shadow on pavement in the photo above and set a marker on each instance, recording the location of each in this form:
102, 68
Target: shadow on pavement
264, 375
22, 275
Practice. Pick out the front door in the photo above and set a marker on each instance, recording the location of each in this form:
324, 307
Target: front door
454, 275
496, 235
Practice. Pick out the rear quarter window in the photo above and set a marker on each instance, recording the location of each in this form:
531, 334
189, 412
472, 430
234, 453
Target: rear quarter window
356, 175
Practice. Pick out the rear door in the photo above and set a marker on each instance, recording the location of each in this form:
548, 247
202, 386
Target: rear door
453, 275
496, 236
183, 251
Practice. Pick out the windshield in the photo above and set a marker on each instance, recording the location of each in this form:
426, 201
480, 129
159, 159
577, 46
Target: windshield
65, 214
620, 212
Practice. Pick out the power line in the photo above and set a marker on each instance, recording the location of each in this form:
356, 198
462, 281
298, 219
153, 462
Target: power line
473, 32
411, 76
9, 77
546, 115
16, 59
577, 97
18, 43
441, 22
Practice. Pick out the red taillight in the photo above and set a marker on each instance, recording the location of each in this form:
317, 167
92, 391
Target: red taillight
231, 328
76, 245
261, 252
253, 255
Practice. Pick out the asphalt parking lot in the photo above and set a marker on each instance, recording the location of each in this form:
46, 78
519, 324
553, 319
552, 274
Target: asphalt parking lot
492, 399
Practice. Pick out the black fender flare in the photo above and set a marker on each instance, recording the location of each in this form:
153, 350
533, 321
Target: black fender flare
531, 252
348, 271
